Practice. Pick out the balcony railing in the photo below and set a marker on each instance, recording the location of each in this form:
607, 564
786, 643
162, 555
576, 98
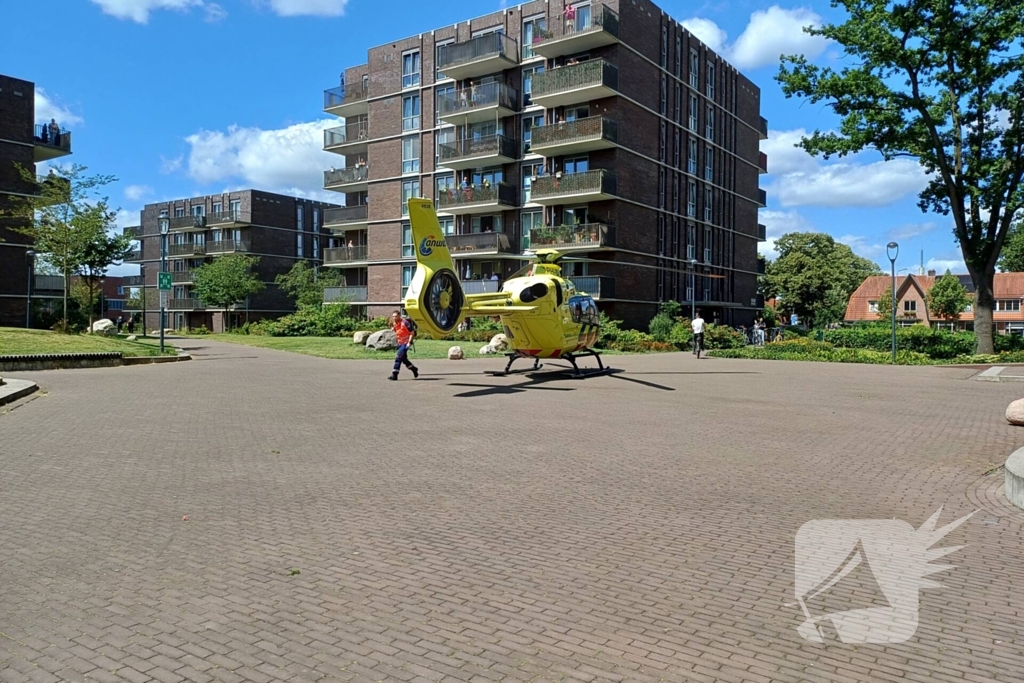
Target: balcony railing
337, 294
339, 97
574, 133
190, 222
479, 242
228, 217
480, 286
133, 281
763, 128
585, 29
578, 236
345, 135
185, 304
483, 96
53, 283
182, 276
133, 231
762, 232
477, 148
55, 141
762, 162
188, 249
226, 246
596, 182
593, 73
450, 57
345, 214
346, 176
345, 254
762, 197
597, 286
456, 198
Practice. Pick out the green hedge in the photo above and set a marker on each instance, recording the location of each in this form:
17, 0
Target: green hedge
823, 354
938, 344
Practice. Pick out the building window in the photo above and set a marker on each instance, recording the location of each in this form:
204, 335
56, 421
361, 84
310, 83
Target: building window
298, 244
691, 242
709, 163
407, 245
577, 165
691, 199
1007, 305
533, 31
530, 220
299, 223
664, 94
707, 245
447, 91
218, 207
437, 54
528, 83
199, 210
679, 53
694, 65
407, 272
444, 136
530, 171
709, 124
316, 219
316, 247
179, 211
410, 189
529, 123
691, 163
235, 206
710, 86
411, 112
411, 69
411, 154
872, 307
447, 225
911, 306
707, 204
693, 112
445, 184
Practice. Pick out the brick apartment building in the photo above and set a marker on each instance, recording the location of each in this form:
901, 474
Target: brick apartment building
183, 234
611, 133
24, 143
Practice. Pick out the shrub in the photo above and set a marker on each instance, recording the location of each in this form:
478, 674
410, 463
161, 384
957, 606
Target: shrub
201, 330
827, 355
917, 338
681, 335
309, 321
661, 326
722, 337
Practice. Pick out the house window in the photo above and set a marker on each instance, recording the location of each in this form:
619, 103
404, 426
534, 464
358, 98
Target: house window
437, 60
447, 225
910, 307
407, 272
410, 189
872, 307
199, 210
1008, 305
411, 69
411, 112
691, 242
411, 154
528, 83
533, 31
298, 244
445, 183
707, 204
235, 207
316, 247
448, 92
691, 164
691, 198
709, 163
529, 123
530, 221
485, 224
444, 136
298, 218
179, 211
218, 207
679, 53
316, 220
694, 65
407, 245
529, 172
711, 81
707, 245
709, 124
693, 112
577, 165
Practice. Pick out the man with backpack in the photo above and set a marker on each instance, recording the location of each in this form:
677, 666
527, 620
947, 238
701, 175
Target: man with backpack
405, 332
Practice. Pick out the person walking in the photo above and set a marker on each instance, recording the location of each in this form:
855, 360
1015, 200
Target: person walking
405, 332
698, 334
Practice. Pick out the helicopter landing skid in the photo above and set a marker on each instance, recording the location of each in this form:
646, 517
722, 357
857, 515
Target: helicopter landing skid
508, 368
578, 373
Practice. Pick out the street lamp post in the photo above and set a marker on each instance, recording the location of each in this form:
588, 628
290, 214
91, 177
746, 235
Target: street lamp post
693, 289
101, 299
142, 271
30, 257
892, 250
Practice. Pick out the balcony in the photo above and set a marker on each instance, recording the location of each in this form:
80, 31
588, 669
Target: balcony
574, 137
762, 233
351, 179
232, 218
478, 56
187, 249
182, 277
227, 247
763, 128
762, 162
345, 256
184, 305
133, 281
348, 101
588, 186
479, 244
594, 27
578, 237
597, 286
345, 217
484, 102
347, 139
576, 84
480, 286
762, 198
48, 283
489, 150
134, 255
49, 145
486, 199
186, 224
133, 231
760, 266
334, 295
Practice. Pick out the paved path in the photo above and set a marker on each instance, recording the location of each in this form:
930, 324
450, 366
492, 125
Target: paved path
461, 527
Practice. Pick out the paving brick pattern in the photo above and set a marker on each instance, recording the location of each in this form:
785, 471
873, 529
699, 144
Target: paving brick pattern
469, 528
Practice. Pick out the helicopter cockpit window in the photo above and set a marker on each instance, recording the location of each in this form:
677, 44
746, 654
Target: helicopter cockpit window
558, 293
583, 310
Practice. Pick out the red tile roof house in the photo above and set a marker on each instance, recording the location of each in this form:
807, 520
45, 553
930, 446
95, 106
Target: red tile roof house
912, 307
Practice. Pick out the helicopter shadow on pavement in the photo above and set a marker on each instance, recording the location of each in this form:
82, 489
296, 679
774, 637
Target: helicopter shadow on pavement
538, 379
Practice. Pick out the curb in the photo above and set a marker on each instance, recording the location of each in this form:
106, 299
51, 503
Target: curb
72, 361
14, 389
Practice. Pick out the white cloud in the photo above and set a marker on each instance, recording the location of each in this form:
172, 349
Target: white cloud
289, 160
955, 266
783, 154
134, 193
47, 109
849, 184
908, 230
126, 217
769, 34
317, 8
139, 10
777, 224
171, 165
862, 246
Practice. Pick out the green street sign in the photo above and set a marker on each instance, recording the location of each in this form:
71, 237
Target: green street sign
164, 281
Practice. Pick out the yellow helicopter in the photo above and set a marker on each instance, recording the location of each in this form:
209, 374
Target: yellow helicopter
542, 312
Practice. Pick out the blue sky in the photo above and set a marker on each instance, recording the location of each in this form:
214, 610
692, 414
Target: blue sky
188, 97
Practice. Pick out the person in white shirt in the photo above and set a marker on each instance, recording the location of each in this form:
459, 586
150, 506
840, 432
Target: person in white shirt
698, 332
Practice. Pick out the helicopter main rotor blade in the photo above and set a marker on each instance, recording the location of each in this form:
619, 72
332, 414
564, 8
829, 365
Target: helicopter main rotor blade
569, 259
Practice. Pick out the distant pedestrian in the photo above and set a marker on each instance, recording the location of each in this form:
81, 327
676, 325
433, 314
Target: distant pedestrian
54, 132
120, 325
405, 332
131, 325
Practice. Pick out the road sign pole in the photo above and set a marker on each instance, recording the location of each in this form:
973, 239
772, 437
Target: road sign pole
164, 285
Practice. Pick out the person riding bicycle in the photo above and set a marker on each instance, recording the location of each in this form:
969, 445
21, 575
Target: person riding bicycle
698, 333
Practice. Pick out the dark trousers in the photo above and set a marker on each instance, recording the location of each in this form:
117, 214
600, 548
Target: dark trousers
402, 358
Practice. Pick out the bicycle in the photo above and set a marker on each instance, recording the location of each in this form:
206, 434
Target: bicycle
698, 344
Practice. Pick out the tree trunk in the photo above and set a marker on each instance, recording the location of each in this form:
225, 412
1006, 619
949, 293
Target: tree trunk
984, 302
67, 288
91, 298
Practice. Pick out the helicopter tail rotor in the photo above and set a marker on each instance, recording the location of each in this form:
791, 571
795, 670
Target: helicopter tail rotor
435, 299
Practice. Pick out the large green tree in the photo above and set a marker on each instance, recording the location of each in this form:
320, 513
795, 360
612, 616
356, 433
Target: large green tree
948, 298
306, 285
227, 280
939, 81
884, 306
814, 276
102, 251
1011, 259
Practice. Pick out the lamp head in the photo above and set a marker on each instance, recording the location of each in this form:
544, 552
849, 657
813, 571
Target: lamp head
892, 250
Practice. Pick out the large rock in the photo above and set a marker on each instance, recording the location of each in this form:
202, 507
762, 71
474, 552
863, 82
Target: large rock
455, 353
1015, 412
382, 341
487, 350
102, 325
360, 337
131, 337
499, 342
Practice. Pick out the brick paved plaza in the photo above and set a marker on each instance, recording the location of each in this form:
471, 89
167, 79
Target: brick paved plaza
461, 527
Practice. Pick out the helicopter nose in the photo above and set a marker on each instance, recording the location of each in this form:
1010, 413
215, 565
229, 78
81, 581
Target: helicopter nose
533, 292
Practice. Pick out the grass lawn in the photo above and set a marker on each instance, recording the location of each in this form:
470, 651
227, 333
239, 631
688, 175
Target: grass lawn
19, 341
342, 347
